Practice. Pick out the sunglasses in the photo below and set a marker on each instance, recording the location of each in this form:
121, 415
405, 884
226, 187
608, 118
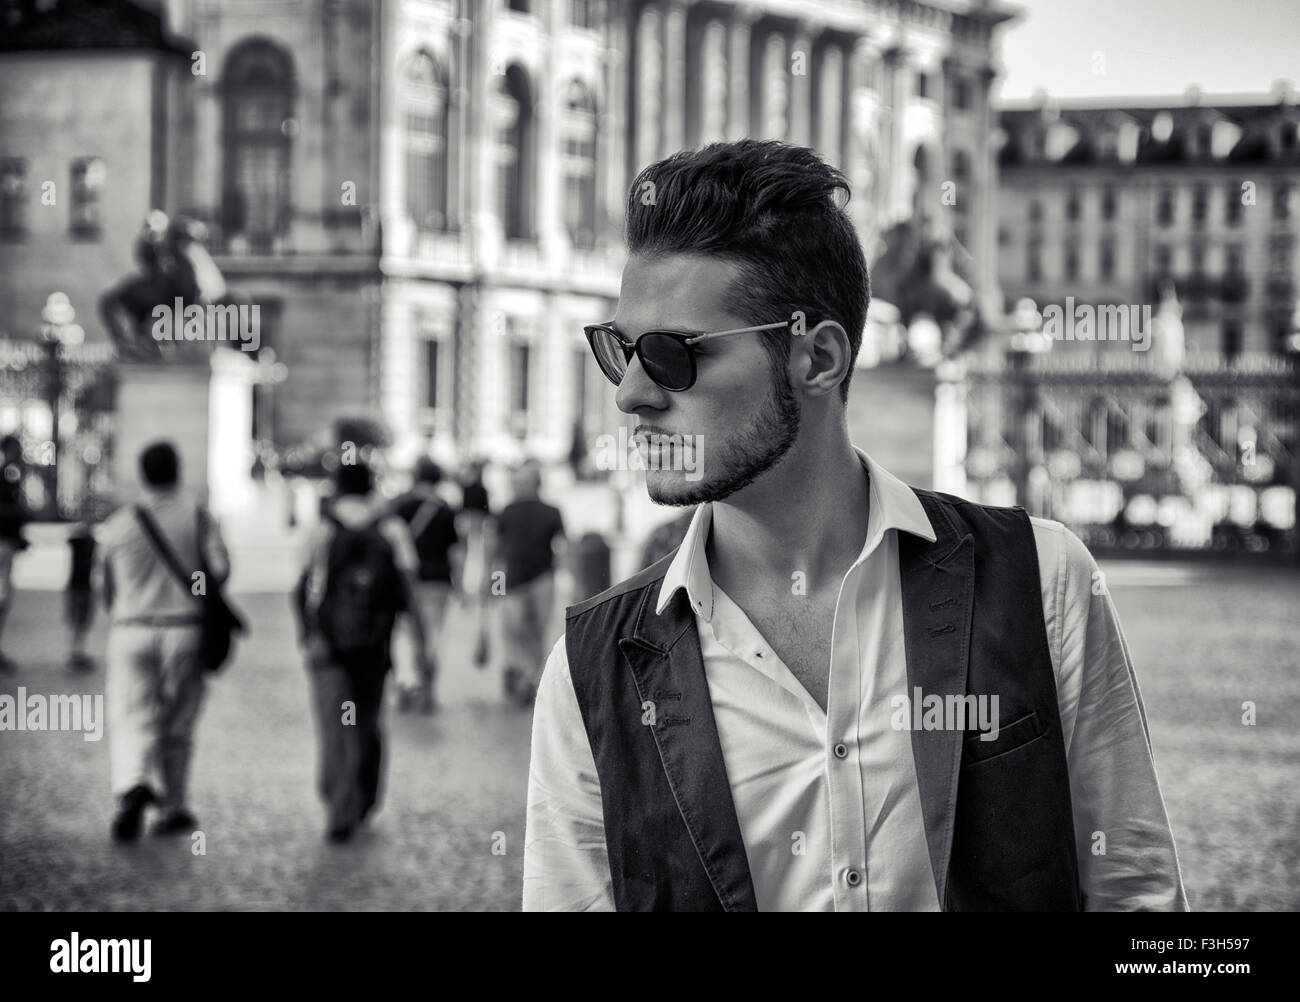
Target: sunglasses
668, 357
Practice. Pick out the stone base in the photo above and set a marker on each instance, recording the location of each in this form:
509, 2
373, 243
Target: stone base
156, 402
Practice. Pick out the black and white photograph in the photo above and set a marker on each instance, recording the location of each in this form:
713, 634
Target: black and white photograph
650, 455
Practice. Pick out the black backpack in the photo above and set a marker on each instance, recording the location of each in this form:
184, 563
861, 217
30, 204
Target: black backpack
360, 599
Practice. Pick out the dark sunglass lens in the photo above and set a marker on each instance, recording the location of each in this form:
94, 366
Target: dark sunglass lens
609, 353
667, 361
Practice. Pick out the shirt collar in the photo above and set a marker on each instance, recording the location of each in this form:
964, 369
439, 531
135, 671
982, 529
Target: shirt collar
894, 505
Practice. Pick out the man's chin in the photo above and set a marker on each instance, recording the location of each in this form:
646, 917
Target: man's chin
675, 489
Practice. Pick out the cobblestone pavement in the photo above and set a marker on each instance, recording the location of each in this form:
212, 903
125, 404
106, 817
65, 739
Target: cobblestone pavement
1205, 640
454, 781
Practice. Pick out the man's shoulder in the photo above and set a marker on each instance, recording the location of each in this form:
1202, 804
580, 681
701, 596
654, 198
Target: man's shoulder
638, 582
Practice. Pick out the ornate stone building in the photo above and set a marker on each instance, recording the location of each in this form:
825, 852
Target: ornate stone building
428, 194
1111, 203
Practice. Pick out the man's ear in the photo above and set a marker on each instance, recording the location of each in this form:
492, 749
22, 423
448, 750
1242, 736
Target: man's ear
821, 358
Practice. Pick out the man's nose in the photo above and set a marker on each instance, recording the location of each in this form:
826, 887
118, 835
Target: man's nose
638, 390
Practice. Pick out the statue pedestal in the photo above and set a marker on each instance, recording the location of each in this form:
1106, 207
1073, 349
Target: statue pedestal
891, 417
162, 401
202, 405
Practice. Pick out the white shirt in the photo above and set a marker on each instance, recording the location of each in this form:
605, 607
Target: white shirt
807, 819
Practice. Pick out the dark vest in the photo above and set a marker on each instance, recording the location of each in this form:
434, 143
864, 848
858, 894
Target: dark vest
997, 814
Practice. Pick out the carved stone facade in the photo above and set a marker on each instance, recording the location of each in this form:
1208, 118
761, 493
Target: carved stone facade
431, 192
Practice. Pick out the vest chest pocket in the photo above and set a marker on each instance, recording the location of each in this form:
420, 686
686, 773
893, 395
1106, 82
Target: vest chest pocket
1011, 737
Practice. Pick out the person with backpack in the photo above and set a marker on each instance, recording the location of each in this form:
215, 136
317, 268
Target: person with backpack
359, 573
432, 525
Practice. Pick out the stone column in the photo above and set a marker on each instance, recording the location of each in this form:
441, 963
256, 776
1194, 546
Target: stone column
611, 134
648, 68
799, 56
675, 68
738, 82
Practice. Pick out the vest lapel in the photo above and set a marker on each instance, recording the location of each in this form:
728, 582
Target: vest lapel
664, 654
938, 584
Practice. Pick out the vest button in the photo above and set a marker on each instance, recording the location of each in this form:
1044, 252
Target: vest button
853, 878
841, 751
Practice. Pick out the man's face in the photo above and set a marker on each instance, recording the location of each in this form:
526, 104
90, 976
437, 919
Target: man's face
739, 419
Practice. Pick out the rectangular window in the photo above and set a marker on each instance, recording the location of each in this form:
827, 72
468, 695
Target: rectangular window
1163, 260
431, 347
1231, 339
1282, 201
961, 94
521, 358
1108, 202
1034, 261
1165, 207
1106, 261
1071, 262
1072, 204
1200, 202
922, 85
1232, 204
13, 198
1232, 259
88, 176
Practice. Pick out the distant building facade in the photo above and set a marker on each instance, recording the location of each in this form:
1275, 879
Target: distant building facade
429, 195
1111, 204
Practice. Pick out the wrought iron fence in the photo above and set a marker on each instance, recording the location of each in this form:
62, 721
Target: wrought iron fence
1134, 458
60, 400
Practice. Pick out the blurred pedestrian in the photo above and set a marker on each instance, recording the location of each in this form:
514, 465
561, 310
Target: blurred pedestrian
154, 683
78, 597
431, 522
13, 516
527, 531
359, 572
475, 525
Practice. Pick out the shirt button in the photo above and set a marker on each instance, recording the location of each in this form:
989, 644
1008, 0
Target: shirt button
841, 751
853, 878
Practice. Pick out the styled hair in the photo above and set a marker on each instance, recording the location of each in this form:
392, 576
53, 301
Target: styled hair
160, 465
353, 478
772, 209
427, 471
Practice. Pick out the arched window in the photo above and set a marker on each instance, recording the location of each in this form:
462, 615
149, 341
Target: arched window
579, 164
426, 97
515, 145
258, 131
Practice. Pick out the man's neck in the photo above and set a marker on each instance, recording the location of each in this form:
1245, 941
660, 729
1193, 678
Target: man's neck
806, 516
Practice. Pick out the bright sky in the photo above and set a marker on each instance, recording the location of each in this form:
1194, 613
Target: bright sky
1149, 47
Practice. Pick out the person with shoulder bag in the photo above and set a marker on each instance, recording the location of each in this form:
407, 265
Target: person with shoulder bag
358, 575
164, 563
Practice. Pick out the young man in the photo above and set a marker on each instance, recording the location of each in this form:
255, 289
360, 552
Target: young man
13, 516
154, 680
431, 522
735, 727
358, 574
526, 533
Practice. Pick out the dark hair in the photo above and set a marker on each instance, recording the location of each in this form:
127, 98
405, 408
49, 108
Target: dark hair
353, 478
160, 466
427, 471
770, 207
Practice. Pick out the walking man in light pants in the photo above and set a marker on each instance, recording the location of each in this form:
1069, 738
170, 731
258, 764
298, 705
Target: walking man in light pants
154, 682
